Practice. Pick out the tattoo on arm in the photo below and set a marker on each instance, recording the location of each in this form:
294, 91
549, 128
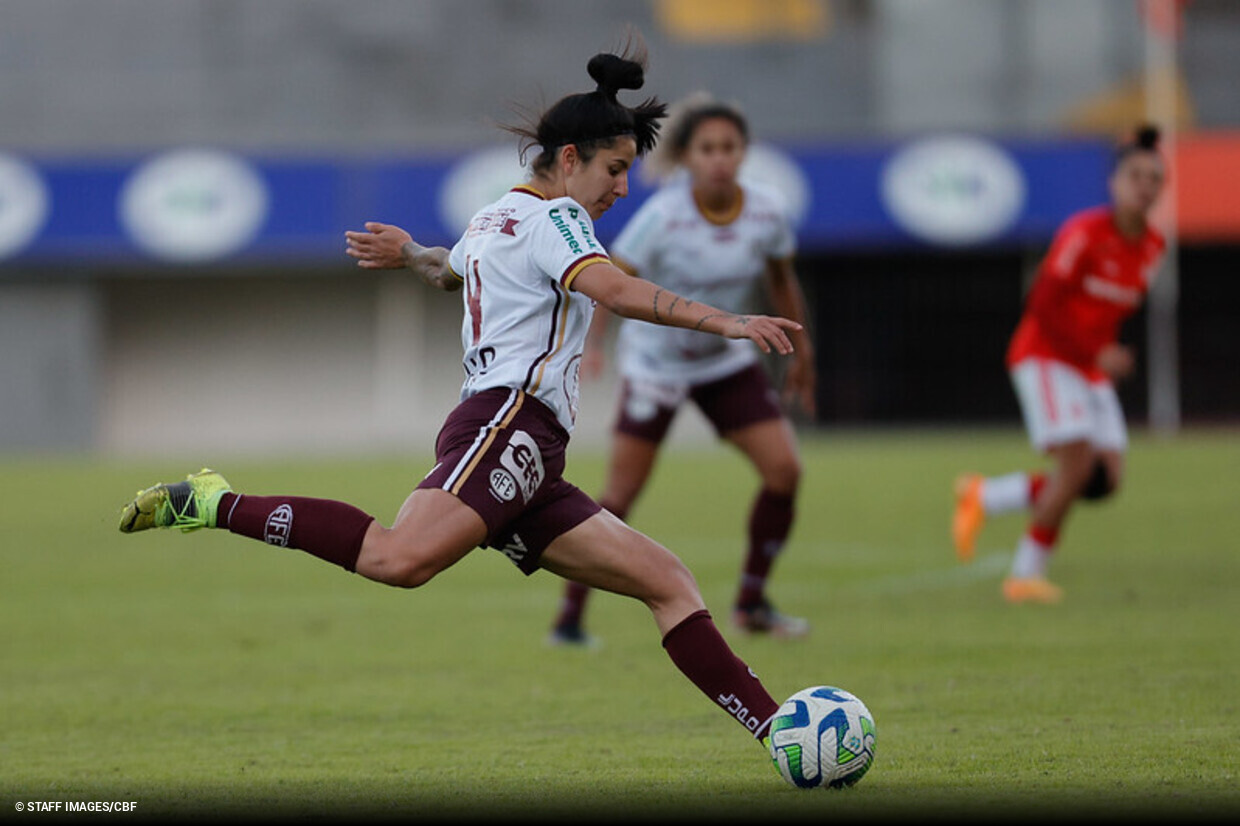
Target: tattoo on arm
672, 308
655, 302
743, 319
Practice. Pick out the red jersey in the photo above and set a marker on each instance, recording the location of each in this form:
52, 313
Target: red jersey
1091, 279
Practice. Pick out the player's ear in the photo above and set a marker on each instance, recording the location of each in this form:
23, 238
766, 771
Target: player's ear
569, 157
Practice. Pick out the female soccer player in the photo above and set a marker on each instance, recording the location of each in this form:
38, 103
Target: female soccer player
1064, 359
531, 270
709, 238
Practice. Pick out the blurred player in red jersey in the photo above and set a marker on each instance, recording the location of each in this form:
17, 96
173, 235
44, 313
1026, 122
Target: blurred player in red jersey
1064, 359
708, 237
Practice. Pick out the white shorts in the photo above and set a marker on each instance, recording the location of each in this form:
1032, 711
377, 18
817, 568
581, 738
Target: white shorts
1061, 405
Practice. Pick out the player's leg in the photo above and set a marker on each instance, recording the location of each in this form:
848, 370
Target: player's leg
771, 447
432, 531
744, 410
979, 497
1061, 419
632, 460
645, 414
605, 553
1110, 440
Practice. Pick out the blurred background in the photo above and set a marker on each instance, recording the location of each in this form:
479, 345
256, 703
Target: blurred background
176, 177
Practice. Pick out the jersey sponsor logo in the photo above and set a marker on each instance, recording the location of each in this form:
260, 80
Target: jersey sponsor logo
574, 243
503, 486
279, 526
1100, 287
523, 460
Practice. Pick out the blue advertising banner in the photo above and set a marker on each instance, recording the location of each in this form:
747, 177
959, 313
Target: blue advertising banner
213, 206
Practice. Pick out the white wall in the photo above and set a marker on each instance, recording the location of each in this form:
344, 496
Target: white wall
342, 361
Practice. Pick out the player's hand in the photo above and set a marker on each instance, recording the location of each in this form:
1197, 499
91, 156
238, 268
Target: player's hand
379, 247
799, 384
1116, 360
770, 333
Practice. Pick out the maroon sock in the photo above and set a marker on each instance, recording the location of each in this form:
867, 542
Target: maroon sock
574, 603
324, 528
700, 652
770, 522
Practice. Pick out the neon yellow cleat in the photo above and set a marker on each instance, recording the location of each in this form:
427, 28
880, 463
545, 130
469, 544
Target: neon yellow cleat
1031, 589
969, 516
187, 505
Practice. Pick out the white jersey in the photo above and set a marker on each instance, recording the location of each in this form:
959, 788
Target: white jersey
670, 242
523, 326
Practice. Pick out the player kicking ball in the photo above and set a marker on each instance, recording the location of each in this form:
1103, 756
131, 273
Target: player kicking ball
1064, 360
531, 271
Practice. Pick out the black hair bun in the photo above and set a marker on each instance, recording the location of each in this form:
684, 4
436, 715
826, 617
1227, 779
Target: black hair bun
613, 73
1147, 137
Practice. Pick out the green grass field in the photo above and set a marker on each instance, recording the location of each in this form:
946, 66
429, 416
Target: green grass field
205, 675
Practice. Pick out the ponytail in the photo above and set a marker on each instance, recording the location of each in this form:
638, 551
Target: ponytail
593, 119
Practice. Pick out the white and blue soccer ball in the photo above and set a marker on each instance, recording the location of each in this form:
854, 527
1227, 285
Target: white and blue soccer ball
822, 736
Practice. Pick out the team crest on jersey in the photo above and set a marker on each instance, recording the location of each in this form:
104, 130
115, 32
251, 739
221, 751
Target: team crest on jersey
522, 459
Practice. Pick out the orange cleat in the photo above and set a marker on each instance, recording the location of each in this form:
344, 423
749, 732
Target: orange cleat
1031, 589
969, 516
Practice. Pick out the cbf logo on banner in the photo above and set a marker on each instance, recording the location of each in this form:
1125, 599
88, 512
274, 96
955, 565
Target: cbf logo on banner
193, 205
24, 205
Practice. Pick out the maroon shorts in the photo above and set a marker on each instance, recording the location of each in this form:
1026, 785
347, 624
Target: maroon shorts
730, 403
502, 453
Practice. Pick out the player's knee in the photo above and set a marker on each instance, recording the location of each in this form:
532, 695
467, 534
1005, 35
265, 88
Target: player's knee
784, 476
402, 567
1100, 484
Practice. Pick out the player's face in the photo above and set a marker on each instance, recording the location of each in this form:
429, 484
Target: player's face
1137, 182
714, 154
598, 183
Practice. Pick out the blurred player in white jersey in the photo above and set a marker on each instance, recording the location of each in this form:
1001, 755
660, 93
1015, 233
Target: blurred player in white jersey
531, 272
708, 237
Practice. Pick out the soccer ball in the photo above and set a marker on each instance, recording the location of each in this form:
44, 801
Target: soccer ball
822, 736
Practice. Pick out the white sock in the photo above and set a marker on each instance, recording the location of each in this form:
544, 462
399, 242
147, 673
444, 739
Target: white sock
1007, 493
1031, 559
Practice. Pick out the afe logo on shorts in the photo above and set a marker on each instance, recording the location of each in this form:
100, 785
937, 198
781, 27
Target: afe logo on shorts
279, 526
524, 461
503, 486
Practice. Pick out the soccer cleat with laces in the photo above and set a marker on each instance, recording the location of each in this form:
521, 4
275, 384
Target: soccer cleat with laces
1031, 589
762, 618
969, 516
187, 505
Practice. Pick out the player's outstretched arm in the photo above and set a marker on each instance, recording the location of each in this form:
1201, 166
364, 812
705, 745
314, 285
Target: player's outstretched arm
388, 247
640, 299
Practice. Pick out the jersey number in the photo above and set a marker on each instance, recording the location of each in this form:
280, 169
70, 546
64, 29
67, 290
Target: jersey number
473, 288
